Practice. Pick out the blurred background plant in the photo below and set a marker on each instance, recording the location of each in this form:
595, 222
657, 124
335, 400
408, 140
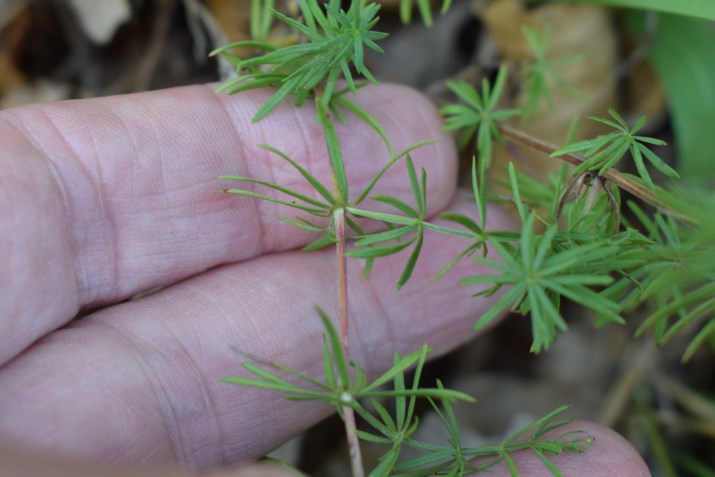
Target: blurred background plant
590, 57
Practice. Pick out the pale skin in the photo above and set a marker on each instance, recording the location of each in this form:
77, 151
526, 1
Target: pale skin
103, 199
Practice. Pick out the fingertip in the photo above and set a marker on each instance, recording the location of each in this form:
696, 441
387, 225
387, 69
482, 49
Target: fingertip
257, 470
610, 455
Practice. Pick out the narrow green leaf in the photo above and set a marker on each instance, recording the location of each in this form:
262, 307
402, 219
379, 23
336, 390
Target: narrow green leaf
523, 212
368, 437
387, 463
504, 301
425, 11
259, 383
398, 368
255, 195
272, 102
410, 264
328, 369
337, 349
401, 417
387, 166
466, 93
367, 118
707, 333
302, 224
464, 221
704, 9
657, 162
464, 253
322, 190
384, 217
322, 242
278, 187
414, 185
386, 236
511, 465
435, 393
493, 101
398, 204
334, 151
680, 55
372, 252
262, 45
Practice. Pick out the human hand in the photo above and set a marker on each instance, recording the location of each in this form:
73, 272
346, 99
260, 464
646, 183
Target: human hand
106, 198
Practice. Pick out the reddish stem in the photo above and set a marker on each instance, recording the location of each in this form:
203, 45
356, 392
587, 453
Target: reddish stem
348, 412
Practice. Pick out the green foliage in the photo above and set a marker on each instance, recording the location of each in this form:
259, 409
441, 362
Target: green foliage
477, 119
704, 9
408, 228
652, 430
345, 383
419, 189
336, 41
540, 73
693, 466
539, 271
674, 272
570, 245
261, 19
456, 460
606, 151
680, 55
424, 7
308, 204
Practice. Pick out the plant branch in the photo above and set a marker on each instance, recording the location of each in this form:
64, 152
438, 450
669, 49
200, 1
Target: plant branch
612, 175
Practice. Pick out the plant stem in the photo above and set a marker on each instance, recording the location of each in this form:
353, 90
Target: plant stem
612, 175
353, 442
348, 412
340, 249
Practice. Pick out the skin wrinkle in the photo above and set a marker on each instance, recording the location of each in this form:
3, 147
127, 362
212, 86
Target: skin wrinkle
279, 339
97, 187
365, 342
60, 411
258, 227
165, 190
200, 93
175, 214
113, 269
280, 172
15, 123
162, 396
93, 185
210, 411
401, 131
205, 388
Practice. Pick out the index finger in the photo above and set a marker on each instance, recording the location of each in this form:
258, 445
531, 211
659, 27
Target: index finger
101, 199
